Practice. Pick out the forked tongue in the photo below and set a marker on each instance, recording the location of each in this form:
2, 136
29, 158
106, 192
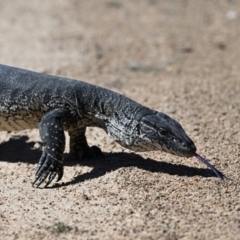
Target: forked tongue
218, 173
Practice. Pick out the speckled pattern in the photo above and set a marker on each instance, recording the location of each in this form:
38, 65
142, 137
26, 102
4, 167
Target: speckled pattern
180, 57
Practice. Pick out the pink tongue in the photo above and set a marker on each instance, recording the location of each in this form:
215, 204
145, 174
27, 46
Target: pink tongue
218, 173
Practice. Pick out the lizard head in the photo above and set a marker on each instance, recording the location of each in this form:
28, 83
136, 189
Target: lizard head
158, 131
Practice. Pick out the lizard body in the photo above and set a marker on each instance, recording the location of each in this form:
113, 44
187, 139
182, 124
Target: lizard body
54, 104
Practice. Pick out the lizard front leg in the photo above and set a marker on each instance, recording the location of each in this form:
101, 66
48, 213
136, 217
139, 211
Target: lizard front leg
79, 147
52, 135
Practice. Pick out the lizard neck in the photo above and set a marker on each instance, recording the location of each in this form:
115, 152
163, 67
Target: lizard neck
115, 113
105, 104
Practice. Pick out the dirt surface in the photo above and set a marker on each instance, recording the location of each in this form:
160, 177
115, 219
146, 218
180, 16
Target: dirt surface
179, 57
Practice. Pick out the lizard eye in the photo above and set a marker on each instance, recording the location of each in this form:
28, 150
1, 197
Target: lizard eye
162, 132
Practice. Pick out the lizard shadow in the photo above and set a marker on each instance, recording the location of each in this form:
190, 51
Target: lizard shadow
113, 161
18, 149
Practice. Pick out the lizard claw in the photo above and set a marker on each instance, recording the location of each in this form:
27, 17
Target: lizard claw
48, 167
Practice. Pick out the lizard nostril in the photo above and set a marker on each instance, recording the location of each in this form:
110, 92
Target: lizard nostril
184, 145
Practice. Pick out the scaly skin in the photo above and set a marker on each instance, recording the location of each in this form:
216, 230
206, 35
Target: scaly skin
54, 105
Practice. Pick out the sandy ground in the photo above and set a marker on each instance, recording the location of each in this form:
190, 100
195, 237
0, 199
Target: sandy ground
179, 57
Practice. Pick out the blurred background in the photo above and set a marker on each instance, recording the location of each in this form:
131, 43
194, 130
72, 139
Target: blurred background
178, 56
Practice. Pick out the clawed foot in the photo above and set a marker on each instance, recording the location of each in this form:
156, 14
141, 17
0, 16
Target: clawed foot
86, 153
49, 167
